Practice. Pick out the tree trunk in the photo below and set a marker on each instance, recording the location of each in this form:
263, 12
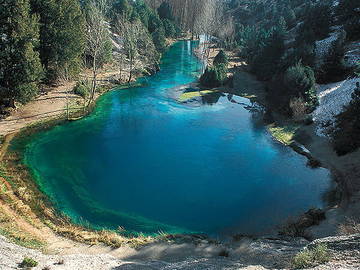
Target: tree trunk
93, 87
131, 68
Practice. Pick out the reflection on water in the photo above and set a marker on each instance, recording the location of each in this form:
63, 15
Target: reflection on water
148, 163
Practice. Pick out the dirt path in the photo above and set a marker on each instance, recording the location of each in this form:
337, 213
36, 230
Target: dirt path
43, 107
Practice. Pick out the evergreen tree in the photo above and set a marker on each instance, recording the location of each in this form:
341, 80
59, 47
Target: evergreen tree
318, 18
334, 68
170, 28
62, 41
121, 8
267, 61
349, 13
159, 39
290, 17
20, 69
221, 58
300, 82
346, 137
214, 76
165, 11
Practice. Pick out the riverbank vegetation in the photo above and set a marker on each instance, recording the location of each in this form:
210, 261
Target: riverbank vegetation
44, 42
292, 46
278, 41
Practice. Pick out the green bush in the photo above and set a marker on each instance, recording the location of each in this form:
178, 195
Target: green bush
82, 89
28, 262
312, 257
300, 82
346, 137
214, 76
221, 58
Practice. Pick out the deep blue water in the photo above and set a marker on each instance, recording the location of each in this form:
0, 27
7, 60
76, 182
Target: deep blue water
147, 163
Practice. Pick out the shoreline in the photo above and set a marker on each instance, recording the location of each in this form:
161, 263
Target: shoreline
71, 231
344, 170
344, 197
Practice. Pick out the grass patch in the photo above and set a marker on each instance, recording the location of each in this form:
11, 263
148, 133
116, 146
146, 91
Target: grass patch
20, 238
284, 134
248, 96
28, 262
312, 257
193, 94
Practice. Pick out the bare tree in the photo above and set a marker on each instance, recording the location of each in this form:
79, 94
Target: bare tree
129, 32
98, 42
137, 44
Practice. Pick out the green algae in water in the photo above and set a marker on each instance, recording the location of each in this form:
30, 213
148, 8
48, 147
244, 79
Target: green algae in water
144, 162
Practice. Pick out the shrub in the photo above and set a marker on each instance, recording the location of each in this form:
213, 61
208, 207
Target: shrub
221, 58
214, 76
312, 257
346, 137
300, 82
28, 262
82, 89
297, 227
351, 226
298, 108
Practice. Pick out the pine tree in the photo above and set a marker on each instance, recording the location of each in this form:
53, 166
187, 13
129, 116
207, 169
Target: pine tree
165, 11
121, 8
349, 12
221, 58
20, 69
346, 137
300, 82
62, 41
159, 39
290, 17
334, 68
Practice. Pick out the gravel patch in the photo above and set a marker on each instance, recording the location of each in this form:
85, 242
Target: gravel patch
332, 99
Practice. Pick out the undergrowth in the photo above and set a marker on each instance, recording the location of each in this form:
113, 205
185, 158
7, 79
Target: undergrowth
312, 257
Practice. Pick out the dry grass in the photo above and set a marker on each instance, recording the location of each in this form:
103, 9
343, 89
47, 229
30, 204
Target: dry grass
11, 230
106, 237
351, 226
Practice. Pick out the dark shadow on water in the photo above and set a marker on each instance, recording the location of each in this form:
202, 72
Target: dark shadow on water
212, 98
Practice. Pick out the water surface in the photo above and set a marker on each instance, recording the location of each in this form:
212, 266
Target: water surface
146, 163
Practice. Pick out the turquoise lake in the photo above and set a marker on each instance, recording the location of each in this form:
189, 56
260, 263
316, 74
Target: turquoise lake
147, 163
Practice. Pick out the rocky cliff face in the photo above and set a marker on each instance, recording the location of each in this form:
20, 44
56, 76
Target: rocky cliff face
190, 253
